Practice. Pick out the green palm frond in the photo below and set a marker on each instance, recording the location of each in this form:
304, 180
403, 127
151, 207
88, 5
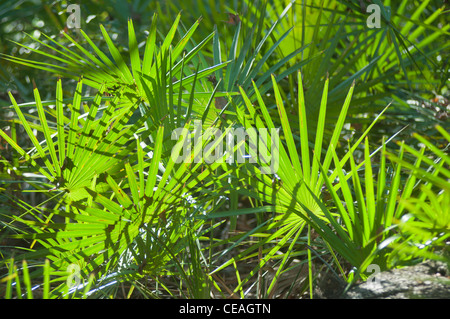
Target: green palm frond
88, 145
424, 227
295, 188
96, 233
116, 74
20, 285
385, 62
110, 188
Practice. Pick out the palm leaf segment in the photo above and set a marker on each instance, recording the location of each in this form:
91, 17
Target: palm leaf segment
105, 217
101, 70
81, 153
142, 80
294, 193
93, 159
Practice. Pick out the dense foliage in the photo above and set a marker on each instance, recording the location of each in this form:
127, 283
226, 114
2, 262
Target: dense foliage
95, 203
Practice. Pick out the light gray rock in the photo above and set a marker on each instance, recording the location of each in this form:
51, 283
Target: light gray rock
428, 280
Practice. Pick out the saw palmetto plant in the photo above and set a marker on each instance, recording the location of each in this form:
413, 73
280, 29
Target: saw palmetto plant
424, 230
94, 220
296, 191
96, 203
